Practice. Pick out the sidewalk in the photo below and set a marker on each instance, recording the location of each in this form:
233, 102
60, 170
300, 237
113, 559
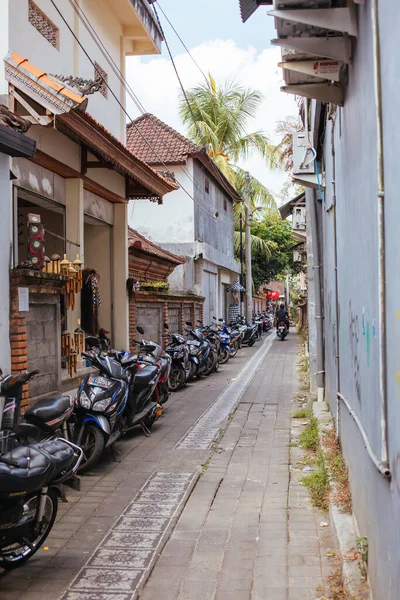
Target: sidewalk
248, 530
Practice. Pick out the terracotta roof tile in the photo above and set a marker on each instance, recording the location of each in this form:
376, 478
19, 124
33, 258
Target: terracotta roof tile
155, 142
138, 241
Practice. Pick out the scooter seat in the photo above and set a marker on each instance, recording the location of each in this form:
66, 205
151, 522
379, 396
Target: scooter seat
48, 409
61, 455
34, 470
145, 375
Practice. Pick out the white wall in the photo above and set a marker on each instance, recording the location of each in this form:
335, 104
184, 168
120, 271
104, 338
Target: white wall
173, 221
5, 234
4, 39
68, 59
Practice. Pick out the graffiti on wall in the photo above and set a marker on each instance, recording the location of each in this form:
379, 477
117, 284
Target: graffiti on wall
354, 338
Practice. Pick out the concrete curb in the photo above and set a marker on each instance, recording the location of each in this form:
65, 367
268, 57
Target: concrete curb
344, 528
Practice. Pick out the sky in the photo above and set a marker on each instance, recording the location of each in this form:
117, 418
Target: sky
220, 44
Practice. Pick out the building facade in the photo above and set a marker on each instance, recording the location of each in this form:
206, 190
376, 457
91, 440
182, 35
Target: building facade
195, 221
67, 88
346, 156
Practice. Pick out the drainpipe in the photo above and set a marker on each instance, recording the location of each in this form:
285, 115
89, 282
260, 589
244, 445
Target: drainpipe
381, 233
332, 207
318, 296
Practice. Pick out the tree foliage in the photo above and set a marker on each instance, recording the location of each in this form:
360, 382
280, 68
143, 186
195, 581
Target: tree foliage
278, 234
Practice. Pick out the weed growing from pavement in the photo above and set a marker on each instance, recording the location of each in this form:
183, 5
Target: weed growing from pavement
335, 585
362, 551
318, 484
339, 473
302, 413
309, 439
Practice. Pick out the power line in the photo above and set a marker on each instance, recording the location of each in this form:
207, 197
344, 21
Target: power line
181, 40
202, 72
118, 101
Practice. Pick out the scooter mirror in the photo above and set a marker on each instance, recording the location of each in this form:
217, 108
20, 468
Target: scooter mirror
166, 326
140, 330
215, 318
220, 320
189, 323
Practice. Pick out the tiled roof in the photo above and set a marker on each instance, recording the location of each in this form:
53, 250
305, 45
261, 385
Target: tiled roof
50, 84
138, 241
156, 143
83, 126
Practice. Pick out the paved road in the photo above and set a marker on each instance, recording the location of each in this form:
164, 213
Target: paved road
240, 521
248, 531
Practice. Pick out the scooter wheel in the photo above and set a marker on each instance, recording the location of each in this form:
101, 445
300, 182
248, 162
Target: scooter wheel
20, 555
177, 378
234, 349
92, 444
224, 356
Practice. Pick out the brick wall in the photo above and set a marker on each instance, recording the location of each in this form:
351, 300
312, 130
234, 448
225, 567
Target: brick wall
170, 309
35, 339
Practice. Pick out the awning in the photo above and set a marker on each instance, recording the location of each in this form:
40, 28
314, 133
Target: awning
248, 7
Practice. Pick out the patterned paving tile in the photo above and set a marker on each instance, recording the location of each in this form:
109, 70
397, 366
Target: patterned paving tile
206, 429
132, 539
108, 557
128, 551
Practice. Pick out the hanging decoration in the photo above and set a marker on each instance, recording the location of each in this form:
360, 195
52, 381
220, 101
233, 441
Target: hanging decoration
79, 338
77, 264
66, 344
72, 364
90, 301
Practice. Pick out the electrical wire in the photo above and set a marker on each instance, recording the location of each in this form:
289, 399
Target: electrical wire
213, 215
86, 22
277, 165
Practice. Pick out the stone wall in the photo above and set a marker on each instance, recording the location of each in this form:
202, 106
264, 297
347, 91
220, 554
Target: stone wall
35, 334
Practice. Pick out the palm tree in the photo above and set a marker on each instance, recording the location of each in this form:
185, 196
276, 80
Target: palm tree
216, 118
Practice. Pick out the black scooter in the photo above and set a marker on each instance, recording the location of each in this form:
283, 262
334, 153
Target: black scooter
30, 480
178, 350
112, 402
45, 419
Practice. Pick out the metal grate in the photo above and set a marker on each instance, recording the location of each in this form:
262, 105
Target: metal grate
42, 24
99, 72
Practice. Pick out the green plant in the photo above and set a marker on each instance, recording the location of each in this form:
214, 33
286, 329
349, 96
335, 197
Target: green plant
318, 484
362, 551
309, 437
302, 413
341, 494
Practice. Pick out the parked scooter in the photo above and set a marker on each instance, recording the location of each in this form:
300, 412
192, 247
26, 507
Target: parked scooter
179, 353
199, 349
45, 419
160, 358
113, 402
30, 480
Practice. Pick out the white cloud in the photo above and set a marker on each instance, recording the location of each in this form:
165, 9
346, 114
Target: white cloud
157, 87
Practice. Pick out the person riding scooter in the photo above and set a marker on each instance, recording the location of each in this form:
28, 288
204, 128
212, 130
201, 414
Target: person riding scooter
282, 316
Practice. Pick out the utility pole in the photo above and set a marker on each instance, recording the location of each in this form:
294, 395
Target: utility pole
249, 290
241, 261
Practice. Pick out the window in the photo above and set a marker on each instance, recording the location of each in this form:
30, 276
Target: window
206, 185
99, 72
42, 24
225, 204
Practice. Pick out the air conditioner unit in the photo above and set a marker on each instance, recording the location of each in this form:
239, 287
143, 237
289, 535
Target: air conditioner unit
299, 217
303, 156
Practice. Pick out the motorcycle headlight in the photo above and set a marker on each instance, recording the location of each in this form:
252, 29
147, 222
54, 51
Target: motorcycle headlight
101, 405
84, 400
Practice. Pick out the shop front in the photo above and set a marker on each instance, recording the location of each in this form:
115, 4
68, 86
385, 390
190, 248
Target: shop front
69, 264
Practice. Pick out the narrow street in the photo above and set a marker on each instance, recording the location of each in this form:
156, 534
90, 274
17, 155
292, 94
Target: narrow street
231, 522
